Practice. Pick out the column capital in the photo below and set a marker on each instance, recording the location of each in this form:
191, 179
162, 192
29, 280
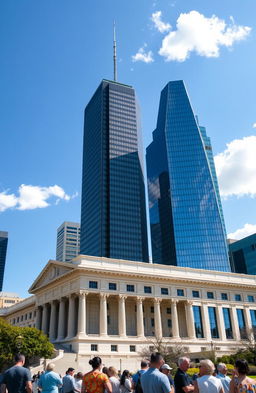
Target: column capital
83, 293
140, 299
122, 297
174, 301
189, 302
103, 295
157, 300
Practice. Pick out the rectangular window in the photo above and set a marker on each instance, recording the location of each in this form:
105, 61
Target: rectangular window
152, 309
108, 319
198, 322
93, 284
224, 296
130, 288
227, 323
94, 347
180, 292
195, 294
112, 286
169, 323
210, 295
164, 291
147, 290
238, 297
168, 310
241, 323
152, 322
213, 322
253, 320
113, 348
250, 298
132, 348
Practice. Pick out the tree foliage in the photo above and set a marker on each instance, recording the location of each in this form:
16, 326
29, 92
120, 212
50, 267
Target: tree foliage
29, 341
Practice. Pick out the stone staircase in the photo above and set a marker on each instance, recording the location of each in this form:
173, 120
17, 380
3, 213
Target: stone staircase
62, 362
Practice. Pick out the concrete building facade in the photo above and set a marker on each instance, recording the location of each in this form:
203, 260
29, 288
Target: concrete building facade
115, 308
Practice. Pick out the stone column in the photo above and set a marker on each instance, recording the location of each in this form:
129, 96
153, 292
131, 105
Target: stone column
103, 315
248, 324
206, 322
71, 316
44, 319
122, 316
81, 326
220, 321
158, 321
175, 321
234, 324
52, 329
38, 317
140, 324
61, 322
190, 320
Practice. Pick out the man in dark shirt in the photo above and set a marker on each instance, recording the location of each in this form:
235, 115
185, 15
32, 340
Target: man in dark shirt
182, 381
17, 379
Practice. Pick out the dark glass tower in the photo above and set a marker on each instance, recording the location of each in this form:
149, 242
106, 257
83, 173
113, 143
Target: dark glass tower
185, 219
3, 249
113, 212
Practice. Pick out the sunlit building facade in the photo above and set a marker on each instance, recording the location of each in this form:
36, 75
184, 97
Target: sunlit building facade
185, 219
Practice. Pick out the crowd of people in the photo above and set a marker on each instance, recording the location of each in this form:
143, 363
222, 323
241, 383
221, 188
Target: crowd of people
153, 377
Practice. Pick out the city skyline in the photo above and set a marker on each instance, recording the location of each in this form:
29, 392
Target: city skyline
50, 69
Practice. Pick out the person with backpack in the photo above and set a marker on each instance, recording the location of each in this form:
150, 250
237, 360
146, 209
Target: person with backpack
136, 379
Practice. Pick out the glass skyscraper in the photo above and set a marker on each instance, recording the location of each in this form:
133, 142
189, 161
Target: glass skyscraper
185, 218
113, 211
3, 250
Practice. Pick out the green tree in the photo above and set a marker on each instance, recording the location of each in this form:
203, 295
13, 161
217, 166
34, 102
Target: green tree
29, 341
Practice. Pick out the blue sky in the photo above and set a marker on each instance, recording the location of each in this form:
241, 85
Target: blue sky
53, 56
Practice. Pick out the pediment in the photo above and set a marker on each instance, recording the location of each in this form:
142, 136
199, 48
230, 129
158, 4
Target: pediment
52, 271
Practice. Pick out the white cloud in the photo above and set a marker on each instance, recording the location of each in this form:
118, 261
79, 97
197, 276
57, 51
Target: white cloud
159, 24
32, 197
7, 201
142, 55
236, 168
248, 229
254, 125
197, 33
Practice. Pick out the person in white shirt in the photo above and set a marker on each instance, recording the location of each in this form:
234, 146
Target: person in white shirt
79, 381
207, 383
114, 380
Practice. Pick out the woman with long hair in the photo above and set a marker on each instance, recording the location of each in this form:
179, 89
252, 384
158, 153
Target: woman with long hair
114, 380
95, 381
240, 383
125, 382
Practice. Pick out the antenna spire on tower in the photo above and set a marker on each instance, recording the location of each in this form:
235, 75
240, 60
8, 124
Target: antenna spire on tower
114, 57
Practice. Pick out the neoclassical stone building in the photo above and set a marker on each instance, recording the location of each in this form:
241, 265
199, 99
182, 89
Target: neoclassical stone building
115, 308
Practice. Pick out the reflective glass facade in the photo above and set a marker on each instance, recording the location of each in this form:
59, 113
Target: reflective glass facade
185, 219
241, 323
3, 250
227, 323
113, 212
198, 322
243, 255
213, 322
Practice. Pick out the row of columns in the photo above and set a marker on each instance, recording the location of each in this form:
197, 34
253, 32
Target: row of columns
42, 321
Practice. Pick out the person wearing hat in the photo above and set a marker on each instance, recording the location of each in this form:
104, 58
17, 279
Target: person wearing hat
166, 369
69, 385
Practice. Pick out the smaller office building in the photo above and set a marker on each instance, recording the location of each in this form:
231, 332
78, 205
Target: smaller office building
68, 241
242, 255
